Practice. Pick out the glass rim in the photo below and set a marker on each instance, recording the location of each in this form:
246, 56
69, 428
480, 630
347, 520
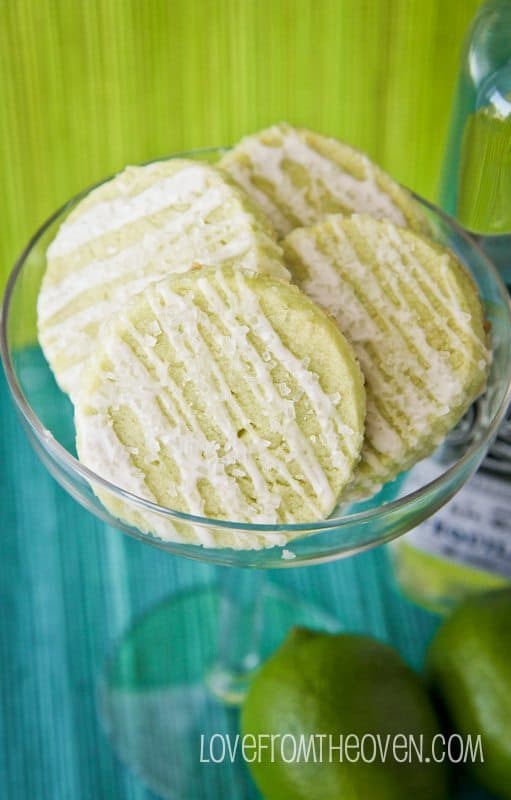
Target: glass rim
72, 465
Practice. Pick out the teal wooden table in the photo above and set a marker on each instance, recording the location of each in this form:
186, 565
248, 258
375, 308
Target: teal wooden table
69, 587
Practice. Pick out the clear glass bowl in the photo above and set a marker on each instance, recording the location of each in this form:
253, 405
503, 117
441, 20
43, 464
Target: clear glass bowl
48, 418
156, 728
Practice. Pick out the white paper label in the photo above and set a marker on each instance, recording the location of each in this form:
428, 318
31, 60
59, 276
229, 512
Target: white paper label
474, 528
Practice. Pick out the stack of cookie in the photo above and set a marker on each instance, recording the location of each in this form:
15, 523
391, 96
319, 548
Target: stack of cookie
260, 340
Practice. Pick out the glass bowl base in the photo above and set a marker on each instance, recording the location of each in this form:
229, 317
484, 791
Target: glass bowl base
159, 695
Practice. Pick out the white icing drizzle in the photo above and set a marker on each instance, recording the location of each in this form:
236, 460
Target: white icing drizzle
192, 350
204, 221
172, 427
231, 238
266, 161
280, 412
326, 286
451, 308
323, 404
110, 215
244, 178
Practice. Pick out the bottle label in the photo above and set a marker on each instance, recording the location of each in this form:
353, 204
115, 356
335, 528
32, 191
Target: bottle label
474, 528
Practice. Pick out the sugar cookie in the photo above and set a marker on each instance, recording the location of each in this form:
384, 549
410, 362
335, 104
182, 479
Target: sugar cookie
298, 177
224, 394
138, 227
414, 318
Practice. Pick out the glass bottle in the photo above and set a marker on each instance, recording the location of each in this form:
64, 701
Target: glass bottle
466, 546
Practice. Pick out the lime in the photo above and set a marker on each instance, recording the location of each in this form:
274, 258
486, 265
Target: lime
338, 717
469, 662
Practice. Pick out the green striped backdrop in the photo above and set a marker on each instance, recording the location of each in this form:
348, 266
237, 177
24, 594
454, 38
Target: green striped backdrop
85, 87
89, 85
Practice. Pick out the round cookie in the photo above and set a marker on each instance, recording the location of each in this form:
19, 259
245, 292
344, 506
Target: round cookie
414, 318
224, 394
138, 227
298, 177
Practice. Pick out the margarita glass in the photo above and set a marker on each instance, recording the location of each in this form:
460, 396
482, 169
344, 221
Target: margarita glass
233, 615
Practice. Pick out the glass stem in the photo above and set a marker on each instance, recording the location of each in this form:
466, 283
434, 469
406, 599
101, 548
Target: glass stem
240, 627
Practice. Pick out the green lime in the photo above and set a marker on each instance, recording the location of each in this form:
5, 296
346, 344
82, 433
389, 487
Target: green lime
348, 718
469, 662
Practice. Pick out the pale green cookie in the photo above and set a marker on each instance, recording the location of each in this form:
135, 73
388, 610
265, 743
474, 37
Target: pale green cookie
224, 394
298, 177
144, 224
414, 318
